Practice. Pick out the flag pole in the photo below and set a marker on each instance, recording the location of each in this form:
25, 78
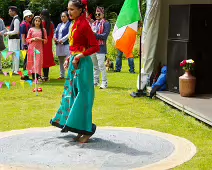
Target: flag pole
139, 92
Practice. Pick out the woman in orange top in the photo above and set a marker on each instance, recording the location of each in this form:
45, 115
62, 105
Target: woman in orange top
75, 112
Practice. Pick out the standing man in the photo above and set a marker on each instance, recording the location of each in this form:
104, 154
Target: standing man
119, 63
101, 28
14, 37
24, 28
2, 46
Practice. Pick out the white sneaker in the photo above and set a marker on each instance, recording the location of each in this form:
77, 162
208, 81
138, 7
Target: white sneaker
15, 72
103, 86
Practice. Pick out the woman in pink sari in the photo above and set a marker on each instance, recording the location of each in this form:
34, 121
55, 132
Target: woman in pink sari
36, 39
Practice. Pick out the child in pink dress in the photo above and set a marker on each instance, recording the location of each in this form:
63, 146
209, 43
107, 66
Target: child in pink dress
36, 38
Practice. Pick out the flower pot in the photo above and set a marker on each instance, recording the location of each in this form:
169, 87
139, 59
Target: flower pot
187, 84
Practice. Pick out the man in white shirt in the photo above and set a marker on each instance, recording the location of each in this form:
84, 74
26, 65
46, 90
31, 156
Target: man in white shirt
14, 37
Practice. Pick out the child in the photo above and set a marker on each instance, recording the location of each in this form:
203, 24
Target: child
36, 38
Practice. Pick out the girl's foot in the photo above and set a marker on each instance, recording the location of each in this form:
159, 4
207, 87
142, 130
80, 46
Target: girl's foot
84, 139
75, 139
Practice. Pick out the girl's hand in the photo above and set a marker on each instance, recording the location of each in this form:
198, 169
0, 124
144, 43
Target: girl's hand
77, 57
66, 63
35, 39
55, 40
75, 63
61, 42
40, 39
76, 60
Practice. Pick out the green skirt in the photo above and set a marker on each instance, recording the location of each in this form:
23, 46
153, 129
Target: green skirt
75, 112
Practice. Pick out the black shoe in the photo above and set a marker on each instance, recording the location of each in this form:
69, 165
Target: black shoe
149, 97
117, 71
132, 72
25, 78
44, 79
64, 130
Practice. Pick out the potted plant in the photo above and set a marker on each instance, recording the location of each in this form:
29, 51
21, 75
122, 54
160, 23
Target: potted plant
187, 82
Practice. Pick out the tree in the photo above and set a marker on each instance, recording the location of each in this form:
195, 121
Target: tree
55, 7
4, 4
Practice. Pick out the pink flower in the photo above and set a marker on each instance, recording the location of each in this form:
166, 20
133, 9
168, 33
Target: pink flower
183, 63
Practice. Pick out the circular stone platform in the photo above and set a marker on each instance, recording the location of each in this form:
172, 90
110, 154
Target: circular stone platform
108, 149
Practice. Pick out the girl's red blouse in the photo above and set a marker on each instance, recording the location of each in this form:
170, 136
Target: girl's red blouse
82, 38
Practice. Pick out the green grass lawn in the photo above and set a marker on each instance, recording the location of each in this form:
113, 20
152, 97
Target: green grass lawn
20, 108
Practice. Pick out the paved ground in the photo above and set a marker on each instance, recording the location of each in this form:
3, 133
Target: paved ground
109, 149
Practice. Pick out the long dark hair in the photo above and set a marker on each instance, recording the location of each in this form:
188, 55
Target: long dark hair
46, 17
81, 4
41, 25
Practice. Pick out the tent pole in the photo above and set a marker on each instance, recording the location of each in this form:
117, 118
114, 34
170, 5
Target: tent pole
139, 92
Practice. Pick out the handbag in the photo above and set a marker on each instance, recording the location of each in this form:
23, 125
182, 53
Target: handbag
2, 45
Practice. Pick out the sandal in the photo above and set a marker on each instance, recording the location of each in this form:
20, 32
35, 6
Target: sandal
60, 78
45, 79
39, 90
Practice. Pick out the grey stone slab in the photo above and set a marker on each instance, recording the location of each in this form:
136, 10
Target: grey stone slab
107, 150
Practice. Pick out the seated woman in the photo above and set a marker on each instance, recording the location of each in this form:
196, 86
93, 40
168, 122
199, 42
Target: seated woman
160, 84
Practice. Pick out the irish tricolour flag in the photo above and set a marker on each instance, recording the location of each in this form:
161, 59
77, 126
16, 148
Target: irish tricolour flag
126, 27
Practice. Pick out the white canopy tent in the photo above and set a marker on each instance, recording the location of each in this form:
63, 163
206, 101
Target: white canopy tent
155, 34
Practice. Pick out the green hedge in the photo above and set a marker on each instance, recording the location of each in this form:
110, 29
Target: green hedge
8, 62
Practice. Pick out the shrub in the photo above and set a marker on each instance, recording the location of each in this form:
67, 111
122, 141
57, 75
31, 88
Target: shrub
7, 63
56, 60
112, 51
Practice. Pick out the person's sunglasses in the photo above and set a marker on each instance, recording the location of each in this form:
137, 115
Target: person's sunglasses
29, 16
98, 14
